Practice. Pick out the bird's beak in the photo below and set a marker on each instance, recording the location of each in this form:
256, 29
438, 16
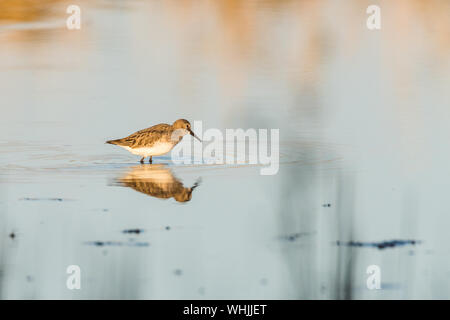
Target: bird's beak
194, 135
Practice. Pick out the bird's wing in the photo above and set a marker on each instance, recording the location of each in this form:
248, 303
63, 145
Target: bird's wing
145, 137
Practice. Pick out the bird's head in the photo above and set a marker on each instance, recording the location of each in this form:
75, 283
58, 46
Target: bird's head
185, 126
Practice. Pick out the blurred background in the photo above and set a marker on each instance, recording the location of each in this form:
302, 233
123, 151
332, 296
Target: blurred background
364, 126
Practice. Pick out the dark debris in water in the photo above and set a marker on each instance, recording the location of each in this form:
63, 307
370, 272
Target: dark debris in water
294, 236
178, 272
117, 244
43, 199
133, 231
379, 245
326, 205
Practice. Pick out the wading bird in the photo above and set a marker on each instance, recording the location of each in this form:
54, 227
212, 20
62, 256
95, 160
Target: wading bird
156, 140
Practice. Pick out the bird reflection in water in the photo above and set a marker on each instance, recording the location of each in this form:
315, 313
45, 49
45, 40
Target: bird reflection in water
157, 180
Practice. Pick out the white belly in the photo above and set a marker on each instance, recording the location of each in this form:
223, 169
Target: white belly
156, 150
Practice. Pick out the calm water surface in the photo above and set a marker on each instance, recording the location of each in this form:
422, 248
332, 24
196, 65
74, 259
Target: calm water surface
363, 118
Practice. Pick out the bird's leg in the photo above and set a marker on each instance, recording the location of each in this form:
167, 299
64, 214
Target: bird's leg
150, 160
142, 160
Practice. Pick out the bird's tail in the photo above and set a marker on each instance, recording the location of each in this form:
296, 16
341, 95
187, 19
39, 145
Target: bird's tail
117, 141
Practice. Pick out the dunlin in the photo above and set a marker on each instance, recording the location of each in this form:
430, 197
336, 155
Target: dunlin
156, 140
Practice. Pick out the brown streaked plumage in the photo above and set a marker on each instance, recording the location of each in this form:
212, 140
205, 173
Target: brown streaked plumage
157, 181
156, 140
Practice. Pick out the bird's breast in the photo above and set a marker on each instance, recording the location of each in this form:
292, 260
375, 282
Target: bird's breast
156, 149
